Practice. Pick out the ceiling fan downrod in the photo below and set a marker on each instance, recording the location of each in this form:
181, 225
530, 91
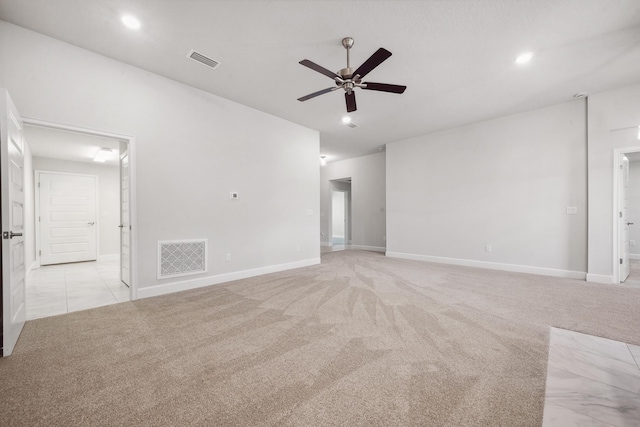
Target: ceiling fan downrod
347, 73
347, 82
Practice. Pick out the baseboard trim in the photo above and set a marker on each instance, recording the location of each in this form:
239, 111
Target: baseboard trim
634, 256
368, 248
185, 285
600, 278
568, 274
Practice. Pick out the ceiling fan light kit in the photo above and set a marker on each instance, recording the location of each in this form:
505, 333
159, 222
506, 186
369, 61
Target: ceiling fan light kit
349, 78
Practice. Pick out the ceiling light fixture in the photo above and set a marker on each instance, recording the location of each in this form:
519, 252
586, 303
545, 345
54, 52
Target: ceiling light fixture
131, 22
524, 58
323, 160
102, 155
346, 120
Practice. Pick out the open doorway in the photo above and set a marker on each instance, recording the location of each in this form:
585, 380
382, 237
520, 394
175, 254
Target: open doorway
80, 205
630, 226
626, 208
340, 213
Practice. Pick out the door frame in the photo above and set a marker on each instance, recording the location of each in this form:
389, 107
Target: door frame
347, 207
38, 244
617, 163
345, 196
130, 140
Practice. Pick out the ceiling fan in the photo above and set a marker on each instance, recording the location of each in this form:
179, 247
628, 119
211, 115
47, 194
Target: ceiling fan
349, 78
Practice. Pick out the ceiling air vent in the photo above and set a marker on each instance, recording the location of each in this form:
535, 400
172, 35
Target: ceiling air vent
205, 60
351, 125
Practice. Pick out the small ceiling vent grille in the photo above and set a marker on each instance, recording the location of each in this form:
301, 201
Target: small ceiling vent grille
204, 60
351, 125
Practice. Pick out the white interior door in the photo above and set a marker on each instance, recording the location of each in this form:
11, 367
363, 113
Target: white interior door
68, 230
12, 183
623, 220
125, 225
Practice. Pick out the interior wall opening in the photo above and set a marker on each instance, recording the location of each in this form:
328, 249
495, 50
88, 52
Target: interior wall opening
77, 249
626, 206
340, 228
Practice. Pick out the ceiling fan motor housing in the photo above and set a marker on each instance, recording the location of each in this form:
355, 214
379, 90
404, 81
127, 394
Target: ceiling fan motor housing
346, 73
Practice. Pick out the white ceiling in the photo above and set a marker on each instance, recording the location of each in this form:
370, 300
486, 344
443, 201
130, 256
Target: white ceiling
456, 57
63, 145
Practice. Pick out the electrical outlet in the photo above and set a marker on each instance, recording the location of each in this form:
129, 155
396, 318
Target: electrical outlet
228, 257
234, 195
572, 210
487, 248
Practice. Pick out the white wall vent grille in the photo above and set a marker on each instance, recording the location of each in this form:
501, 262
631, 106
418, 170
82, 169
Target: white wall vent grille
181, 257
352, 125
203, 59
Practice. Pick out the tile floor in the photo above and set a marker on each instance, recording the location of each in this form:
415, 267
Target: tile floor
591, 381
63, 288
634, 273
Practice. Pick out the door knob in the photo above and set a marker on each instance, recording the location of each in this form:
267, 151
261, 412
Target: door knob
121, 226
91, 223
10, 235
629, 223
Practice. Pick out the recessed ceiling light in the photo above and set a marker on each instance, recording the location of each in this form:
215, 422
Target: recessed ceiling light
346, 120
131, 22
523, 58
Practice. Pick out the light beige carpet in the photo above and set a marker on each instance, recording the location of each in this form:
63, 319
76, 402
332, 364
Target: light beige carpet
361, 340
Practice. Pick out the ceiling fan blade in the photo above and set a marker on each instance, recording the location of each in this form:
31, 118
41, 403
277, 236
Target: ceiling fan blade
318, 93
384, 87
374, 60
318, 68
350, 97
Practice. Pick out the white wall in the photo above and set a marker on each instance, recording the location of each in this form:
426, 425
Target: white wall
108, 196
192, 149
506, 183
634, 207
29, 209
608, 111
368, 199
